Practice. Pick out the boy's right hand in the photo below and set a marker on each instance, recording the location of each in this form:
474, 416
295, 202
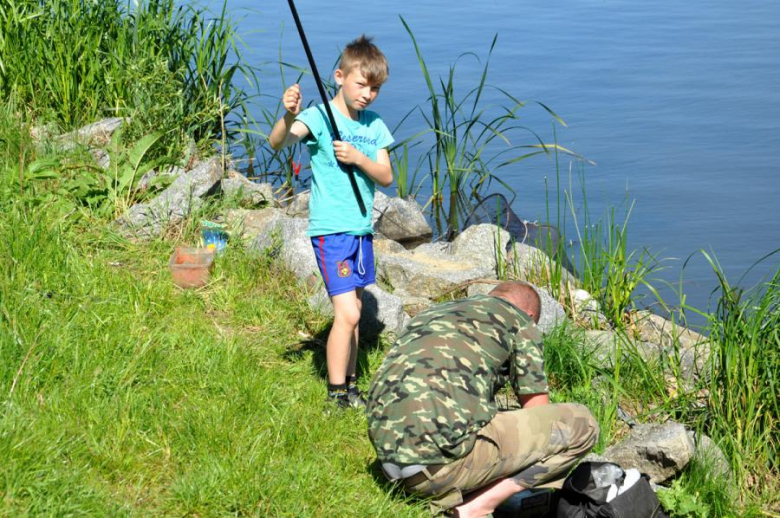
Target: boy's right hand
293, 99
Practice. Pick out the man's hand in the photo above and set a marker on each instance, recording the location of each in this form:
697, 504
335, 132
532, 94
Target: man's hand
346, 153
293, 100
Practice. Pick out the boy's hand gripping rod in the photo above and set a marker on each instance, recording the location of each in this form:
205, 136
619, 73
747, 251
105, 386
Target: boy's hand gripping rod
324, 96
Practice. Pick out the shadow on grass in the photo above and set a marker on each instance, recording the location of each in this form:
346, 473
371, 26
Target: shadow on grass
370, 330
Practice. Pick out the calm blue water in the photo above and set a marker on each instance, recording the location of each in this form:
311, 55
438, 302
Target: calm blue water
677, 103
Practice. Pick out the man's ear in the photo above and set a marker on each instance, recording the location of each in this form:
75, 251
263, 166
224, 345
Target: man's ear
338, 75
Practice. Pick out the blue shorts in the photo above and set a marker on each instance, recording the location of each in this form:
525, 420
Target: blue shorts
346, 262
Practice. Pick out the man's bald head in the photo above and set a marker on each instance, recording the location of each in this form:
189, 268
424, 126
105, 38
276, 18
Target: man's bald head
520, 294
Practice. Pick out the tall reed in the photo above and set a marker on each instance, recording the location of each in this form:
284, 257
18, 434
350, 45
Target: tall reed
472, 141
170, 67
743, 402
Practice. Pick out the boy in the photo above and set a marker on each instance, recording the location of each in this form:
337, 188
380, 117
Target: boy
341, 236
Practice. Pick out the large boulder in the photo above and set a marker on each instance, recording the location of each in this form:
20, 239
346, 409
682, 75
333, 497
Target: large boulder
299, 205
528, 263
660, 450
552, 314
382, 312
693, 348
427, 272
178, 201
247, 224
400, 219
97, 134
237, 186
168, 174
285, 238
483, 244
587, 310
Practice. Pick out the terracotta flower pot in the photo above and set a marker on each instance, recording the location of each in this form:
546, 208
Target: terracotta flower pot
190, 267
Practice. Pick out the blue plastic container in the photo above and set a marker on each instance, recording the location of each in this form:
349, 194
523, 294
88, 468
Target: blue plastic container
214, 239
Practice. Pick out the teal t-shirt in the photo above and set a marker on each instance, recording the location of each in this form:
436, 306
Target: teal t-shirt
332, 206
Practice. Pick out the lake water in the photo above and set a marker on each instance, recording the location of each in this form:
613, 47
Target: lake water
677, 103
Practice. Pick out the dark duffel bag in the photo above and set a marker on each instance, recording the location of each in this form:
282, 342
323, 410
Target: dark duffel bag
584, 494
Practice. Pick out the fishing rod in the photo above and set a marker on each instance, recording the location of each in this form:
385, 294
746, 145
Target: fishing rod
321, 88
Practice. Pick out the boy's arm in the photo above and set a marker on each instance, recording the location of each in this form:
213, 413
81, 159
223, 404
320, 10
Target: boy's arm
380, 171
288, 131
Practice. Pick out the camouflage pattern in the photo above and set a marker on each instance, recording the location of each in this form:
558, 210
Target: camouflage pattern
536, 447
435, 389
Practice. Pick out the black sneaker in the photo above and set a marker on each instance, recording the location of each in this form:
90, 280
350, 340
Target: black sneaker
356, 398
339, 399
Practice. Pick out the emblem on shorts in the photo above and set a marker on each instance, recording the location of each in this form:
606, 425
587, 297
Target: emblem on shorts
343, 268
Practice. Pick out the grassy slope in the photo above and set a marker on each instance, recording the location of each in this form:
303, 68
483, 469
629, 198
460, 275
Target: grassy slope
140, 398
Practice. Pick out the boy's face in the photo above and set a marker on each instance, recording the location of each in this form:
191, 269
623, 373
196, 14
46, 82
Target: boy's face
358, 92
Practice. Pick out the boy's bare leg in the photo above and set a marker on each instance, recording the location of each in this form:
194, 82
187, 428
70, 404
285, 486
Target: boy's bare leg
339, 348
485, 501
353, 352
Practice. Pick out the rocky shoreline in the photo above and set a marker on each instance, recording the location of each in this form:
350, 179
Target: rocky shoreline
410, 280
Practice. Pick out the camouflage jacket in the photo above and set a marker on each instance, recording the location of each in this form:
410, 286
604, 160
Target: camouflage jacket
435, 389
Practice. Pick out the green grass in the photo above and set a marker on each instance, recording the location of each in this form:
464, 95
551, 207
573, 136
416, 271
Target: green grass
169, 68
125, 395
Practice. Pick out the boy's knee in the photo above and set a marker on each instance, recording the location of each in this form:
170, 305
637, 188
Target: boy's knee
348, 316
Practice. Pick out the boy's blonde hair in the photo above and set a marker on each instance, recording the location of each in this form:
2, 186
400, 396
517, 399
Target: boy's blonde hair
365, 56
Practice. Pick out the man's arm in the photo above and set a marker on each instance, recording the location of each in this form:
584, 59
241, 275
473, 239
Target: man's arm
532, 400
380, 171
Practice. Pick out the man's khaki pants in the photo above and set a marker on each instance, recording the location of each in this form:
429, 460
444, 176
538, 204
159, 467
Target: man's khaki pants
536, 446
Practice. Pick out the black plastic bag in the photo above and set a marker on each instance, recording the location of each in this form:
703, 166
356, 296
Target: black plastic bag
584, 494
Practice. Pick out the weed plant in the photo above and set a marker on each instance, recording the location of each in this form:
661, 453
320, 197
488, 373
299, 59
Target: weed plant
471, 144
743, 392
169, 68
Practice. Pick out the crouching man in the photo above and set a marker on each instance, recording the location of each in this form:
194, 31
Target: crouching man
432, 416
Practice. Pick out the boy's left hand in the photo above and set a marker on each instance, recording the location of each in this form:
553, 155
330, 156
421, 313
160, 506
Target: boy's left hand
346, 152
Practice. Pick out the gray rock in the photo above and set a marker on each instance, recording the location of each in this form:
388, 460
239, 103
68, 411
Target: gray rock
693, 348
587, 309
660, 450
178, 201
247, 224
237, 186
299, 205
43, 132
413, 304
96, 134
102, 158
528, 263
382, 312
602, 345
320, 302
480, 288
400, 219
170, 173
482, 244
382, 245
286, 239
552, 314
427, 273
709, 454
436, 248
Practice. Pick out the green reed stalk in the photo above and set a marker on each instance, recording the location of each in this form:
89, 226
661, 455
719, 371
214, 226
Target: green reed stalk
167, 67
744, 391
